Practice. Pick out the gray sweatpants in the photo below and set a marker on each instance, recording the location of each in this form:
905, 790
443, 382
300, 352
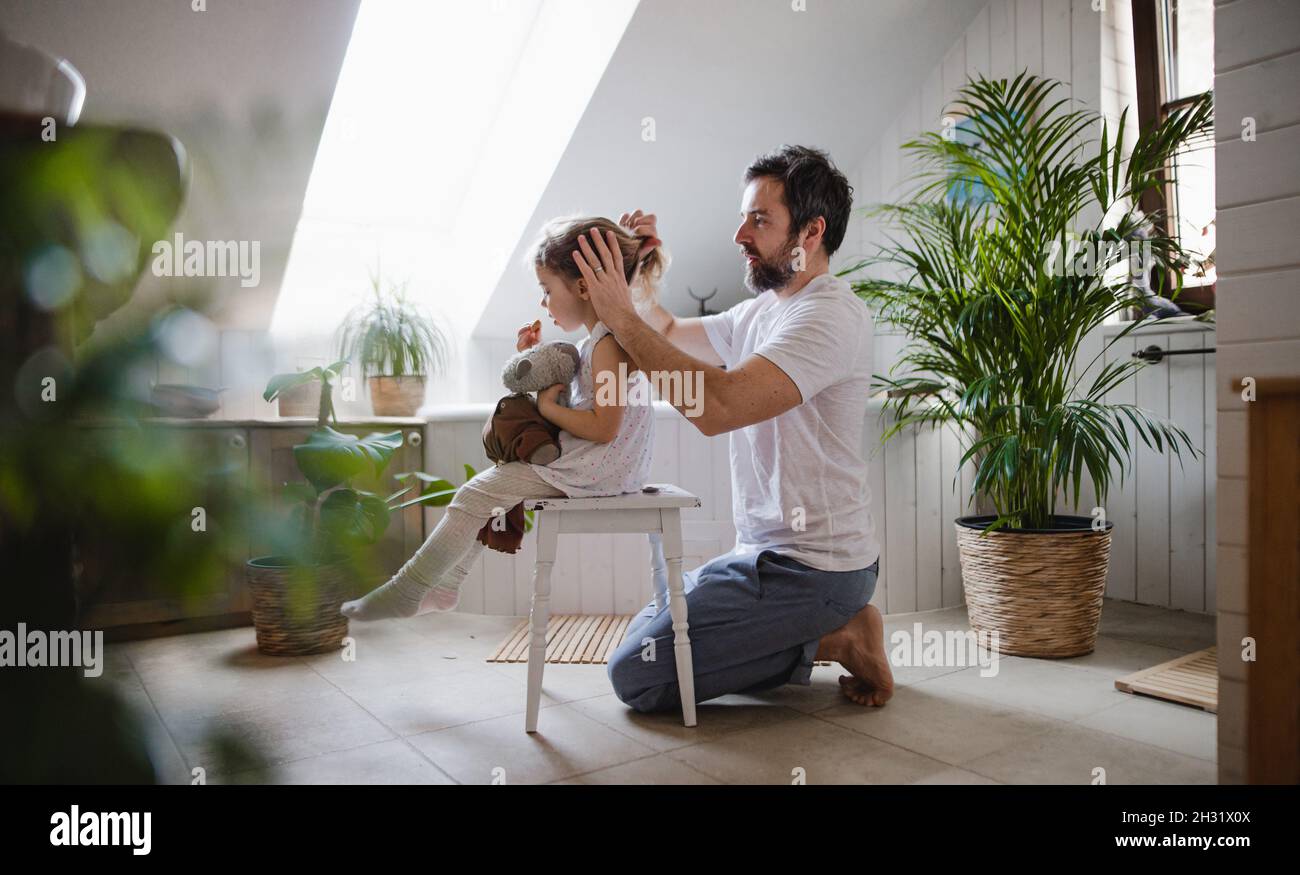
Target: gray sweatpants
755, 622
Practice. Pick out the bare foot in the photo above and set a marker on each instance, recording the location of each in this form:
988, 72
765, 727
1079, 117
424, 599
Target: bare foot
859, 646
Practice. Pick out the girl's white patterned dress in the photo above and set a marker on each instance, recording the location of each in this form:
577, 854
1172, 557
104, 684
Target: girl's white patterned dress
586, 468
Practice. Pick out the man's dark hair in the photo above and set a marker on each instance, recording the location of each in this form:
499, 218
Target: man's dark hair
812, 187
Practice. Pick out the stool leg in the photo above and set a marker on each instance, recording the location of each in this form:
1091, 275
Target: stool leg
670, 521
658, 570
548, 531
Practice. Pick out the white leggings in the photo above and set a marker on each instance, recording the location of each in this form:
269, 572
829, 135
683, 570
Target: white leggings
451, 549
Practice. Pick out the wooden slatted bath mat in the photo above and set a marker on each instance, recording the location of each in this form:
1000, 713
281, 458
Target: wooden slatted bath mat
570, 638
1189, 680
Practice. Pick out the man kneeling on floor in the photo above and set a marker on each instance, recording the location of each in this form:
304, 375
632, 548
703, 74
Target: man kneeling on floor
786, 374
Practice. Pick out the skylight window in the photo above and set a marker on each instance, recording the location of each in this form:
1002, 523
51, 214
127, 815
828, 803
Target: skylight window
446, 124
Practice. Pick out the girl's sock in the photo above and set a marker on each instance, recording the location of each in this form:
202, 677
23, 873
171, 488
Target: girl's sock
403, 594
445, 594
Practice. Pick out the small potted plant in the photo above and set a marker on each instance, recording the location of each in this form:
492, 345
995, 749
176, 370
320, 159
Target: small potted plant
297, 592
301, 399
397, 346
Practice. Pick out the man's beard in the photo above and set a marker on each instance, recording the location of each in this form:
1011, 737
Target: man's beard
772, 273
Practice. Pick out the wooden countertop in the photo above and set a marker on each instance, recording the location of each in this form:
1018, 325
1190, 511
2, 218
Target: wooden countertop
272, 421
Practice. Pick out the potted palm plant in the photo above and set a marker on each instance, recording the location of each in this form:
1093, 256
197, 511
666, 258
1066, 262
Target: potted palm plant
297, 593
397, 345
998, 278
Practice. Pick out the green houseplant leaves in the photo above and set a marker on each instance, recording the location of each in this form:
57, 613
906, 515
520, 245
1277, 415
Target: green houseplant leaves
993, 328
390, 336
330, 518
330, 458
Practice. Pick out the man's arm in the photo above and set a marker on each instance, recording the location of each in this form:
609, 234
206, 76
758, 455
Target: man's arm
685, 333
752, 392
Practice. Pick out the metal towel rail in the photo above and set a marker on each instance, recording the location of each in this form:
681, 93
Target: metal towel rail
1155, 354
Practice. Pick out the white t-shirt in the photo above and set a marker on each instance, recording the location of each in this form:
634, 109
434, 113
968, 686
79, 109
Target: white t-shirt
799, 480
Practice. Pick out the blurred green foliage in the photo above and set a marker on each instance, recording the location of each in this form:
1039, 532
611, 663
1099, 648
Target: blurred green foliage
86, 482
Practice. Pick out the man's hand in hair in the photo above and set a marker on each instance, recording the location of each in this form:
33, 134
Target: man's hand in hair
642, 225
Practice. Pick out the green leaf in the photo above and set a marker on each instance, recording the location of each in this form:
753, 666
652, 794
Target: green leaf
418, 475
376, 510
440, 498
300, 492
435, 491
353, 517
283, 382
330, 458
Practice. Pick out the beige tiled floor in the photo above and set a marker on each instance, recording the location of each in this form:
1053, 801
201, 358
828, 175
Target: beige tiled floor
418, 704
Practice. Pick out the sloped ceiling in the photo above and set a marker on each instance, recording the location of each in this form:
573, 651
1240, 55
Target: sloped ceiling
725, 80
447, 123
246, 86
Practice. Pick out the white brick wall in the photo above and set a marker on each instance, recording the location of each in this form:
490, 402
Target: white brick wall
1257, 76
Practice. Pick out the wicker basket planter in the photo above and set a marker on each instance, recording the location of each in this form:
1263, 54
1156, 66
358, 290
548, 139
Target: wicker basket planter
296, 609
396, 396
1040, 590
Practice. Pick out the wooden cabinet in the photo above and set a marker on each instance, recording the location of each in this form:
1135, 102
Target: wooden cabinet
114, 586
227, 457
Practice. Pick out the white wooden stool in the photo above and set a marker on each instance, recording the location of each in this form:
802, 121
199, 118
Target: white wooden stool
659, 514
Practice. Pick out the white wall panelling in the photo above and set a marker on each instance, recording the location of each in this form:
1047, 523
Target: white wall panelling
1257, 76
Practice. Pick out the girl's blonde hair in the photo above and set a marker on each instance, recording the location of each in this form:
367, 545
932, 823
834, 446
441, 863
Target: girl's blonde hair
559, 240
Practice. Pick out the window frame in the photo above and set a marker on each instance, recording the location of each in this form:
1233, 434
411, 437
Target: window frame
1154, 48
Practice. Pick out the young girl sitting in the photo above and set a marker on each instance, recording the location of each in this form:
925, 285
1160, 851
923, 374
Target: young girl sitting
605, 446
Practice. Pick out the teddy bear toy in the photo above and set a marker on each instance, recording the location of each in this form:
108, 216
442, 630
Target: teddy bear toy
544, 365
517, 431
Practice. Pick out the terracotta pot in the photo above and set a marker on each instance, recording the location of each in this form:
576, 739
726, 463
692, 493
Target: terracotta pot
301, 400
1040, 590
295, 607
396, 396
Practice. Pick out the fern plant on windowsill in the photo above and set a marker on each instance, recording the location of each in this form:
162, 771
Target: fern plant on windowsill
397, 345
